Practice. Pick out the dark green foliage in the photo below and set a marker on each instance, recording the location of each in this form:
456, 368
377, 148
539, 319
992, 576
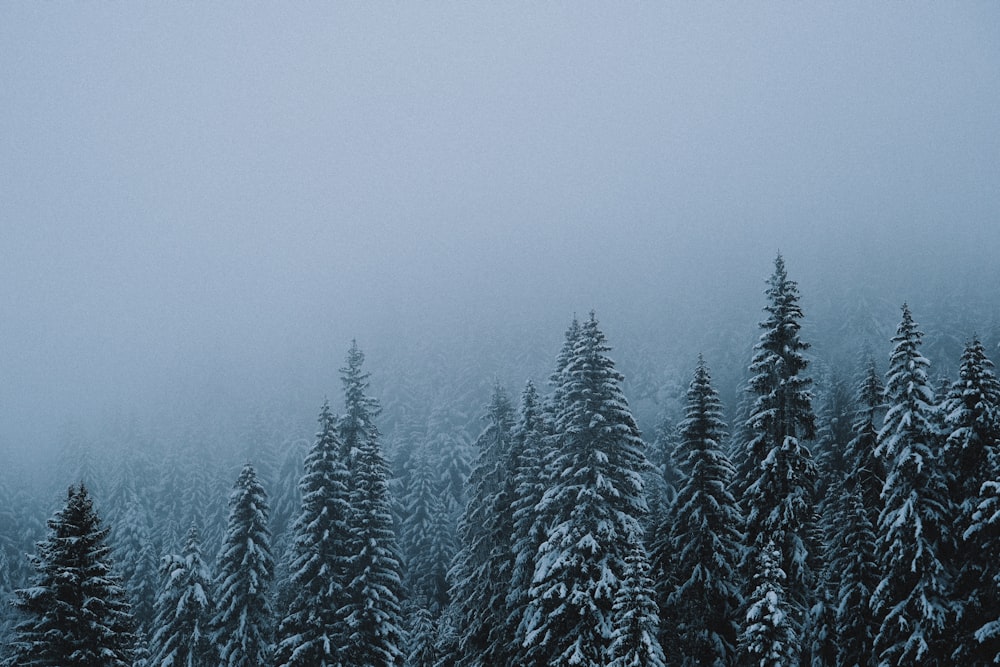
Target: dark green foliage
76, 613
698, 557
779, 491
313, 631
911, 600
592, 509
971, 457
184, 611
243, 623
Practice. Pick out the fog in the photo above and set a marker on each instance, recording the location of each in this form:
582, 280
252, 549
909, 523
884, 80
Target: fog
202, 204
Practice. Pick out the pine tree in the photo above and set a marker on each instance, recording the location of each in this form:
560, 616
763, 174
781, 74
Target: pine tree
634, 641
971, 453
911, 599
768, 637
184, 610
428, 537
699, 557
854, 506
243, 621
422, 637
313, 630
530, 450
852, 559
779, 492
76, 609
374, 586
593, 508
482, 566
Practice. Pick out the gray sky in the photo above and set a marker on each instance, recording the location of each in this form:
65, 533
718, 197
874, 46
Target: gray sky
188, 188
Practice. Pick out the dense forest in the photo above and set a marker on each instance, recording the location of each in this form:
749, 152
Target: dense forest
769, 505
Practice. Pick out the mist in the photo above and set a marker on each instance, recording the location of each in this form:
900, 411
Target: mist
201, 206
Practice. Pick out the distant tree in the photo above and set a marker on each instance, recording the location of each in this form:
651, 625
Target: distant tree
75, 611
698, 580
481, 573
911, 600
971, 455
779, 492
184, 610
243, 623
530, 448
428, 533
313, 631
374, 584
593, 507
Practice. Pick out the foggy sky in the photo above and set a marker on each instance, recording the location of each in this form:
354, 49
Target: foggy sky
200, 193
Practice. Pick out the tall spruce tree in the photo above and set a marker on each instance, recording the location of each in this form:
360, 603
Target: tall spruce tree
184, 611
593, 508
530, 448
698, 580
76, 613
911, 600
779, 490
971, 453
854, 507
374, 585
481, 572
243, 623
313, 631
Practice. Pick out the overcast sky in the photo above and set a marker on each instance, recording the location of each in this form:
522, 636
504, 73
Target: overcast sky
190, 187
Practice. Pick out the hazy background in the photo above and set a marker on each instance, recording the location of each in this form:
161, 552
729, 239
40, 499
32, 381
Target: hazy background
202, 203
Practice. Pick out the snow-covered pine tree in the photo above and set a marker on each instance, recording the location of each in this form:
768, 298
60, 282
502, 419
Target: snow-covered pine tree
374, 585
635, 617
313, 630
135, 556
853, 505
184, 609
852, 559
481, 571
768, 637
243, 623
76, 613
778, 500
428, 538
698, 580
530, 448
593, 508
868, 466
971, 453
910, 602
986, 528
422, 636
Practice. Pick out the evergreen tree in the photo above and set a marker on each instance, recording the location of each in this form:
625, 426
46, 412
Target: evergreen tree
699, 559
634, 641
530, 449
861, 449
428, 537
422, 636
779, 492
76, 613
911, 599
482, 566
243, 620
593, 507
313, 630
769, 637
374, 586
971, 452
852, 560
184, 609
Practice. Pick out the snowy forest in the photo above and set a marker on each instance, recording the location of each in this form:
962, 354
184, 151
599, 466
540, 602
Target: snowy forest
827, 517
499, 334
